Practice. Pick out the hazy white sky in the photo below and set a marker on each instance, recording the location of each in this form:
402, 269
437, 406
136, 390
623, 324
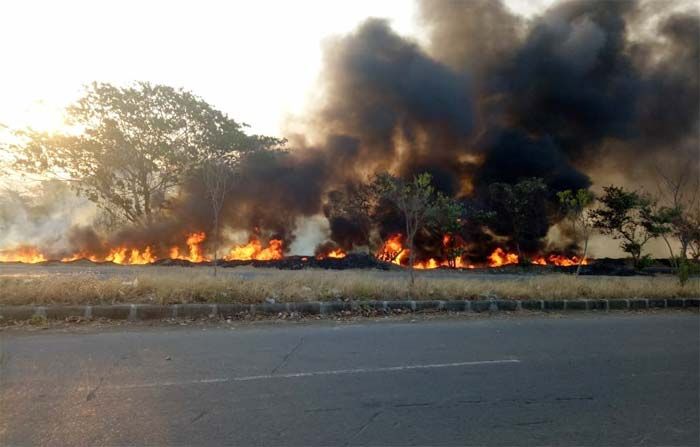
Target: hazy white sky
256, 60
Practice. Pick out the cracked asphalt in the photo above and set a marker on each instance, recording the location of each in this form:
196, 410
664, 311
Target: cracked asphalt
616, 379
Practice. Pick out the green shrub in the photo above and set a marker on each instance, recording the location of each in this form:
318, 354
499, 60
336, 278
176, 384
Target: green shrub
644, 262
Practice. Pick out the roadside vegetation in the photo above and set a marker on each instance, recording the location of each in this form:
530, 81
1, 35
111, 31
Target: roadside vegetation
172, 285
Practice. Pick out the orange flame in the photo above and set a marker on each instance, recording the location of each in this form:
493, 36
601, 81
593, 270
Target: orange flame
255, 250
562, 260
336, 253
433, 263
26, 254
499, 258
194, 250
123, 255
127, 255
392, 250
118, 255
540, 260
81, 255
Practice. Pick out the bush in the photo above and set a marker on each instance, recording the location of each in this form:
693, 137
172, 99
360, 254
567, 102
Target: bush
644, 262
685, 270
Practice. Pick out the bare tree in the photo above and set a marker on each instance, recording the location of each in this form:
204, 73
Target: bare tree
574, 206
218, 175
679, 192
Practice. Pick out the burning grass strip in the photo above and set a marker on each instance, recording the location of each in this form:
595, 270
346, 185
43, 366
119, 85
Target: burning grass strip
188, 286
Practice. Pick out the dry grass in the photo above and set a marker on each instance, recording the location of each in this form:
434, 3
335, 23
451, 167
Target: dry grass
176, 287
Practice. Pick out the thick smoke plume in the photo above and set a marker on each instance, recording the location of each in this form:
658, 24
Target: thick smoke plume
576, 92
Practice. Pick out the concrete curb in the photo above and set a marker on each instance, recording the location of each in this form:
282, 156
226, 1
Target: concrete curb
136, 312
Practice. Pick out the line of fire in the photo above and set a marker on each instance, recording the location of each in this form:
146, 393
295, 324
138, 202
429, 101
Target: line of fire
192, 252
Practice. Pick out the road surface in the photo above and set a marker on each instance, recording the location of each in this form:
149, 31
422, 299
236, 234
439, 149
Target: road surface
619, 379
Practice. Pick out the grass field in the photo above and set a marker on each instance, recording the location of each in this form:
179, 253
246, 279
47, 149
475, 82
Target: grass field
109, 284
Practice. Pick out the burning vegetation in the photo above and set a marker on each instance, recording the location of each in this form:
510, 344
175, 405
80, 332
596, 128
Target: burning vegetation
391, 251
255, 250
29, 255
461, 153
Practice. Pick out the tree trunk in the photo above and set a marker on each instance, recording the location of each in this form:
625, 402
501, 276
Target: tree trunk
674, 263
216, 242
411, 260
580, 261
636, 256
684, 250
147, 207
410, 269
411, 252
146, 199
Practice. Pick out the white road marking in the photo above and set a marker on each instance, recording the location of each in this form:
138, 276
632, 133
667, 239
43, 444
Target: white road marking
332, 372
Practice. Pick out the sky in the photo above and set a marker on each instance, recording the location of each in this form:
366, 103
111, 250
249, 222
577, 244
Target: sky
258, 61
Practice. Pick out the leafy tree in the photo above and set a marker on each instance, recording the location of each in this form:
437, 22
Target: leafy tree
415, 199
660, 221
666, 222
626, 216
446, 217
131, 147
573, 205
520, 209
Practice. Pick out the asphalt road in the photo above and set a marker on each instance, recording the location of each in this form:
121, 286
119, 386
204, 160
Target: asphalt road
620, 379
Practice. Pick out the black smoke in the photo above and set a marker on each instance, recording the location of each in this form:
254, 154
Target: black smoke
577, 89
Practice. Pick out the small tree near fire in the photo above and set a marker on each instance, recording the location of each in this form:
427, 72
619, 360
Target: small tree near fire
625, 215
520, 209
446, 218
218, 177
674, 222
661, 222
679, 193
574, 206
415, 199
